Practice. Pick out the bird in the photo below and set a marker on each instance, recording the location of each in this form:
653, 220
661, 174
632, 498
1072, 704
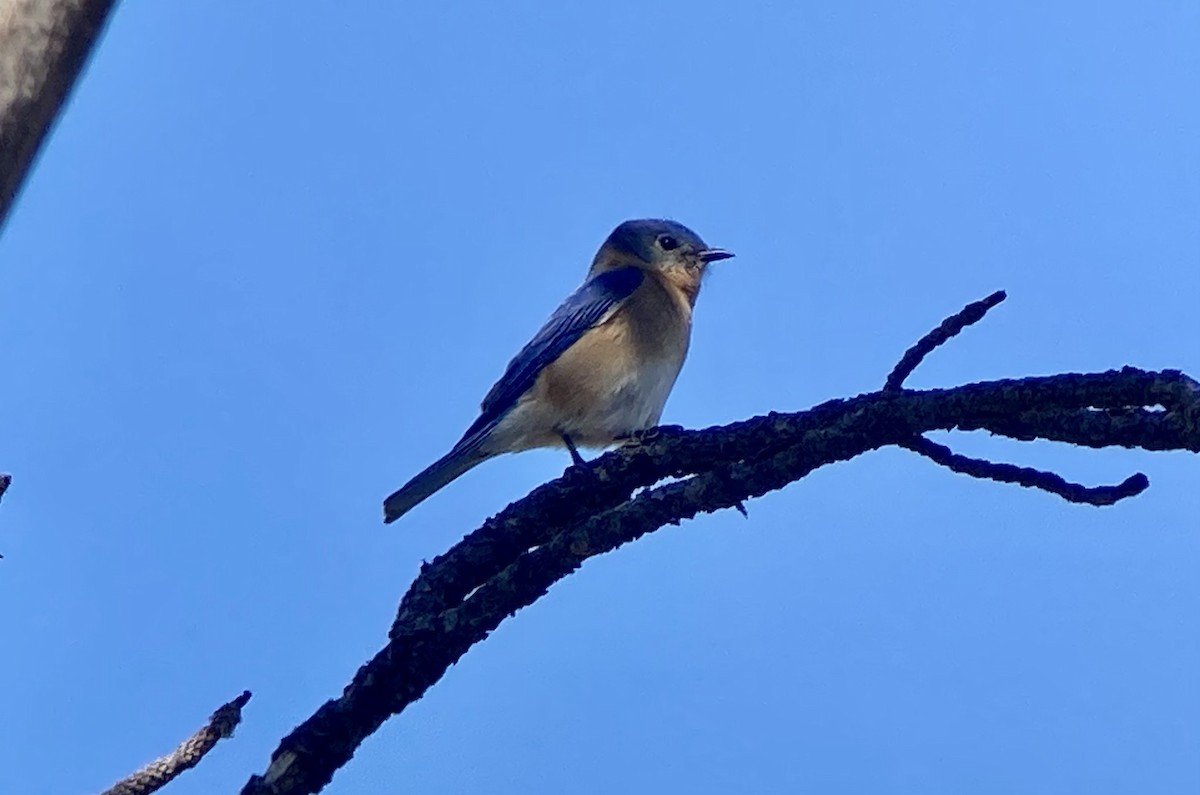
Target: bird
601, 367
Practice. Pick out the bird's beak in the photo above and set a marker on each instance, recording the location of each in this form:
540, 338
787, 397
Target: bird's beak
713, 254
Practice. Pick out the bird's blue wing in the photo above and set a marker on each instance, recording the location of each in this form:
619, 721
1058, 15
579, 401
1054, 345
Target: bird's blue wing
587, 307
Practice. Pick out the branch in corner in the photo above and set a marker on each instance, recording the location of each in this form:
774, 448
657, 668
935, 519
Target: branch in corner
160, 772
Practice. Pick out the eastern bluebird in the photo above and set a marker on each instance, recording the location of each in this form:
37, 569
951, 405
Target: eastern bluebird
600, 368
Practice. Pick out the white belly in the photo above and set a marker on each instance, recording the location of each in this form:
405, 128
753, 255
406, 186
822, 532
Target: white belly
636, 403
632, 401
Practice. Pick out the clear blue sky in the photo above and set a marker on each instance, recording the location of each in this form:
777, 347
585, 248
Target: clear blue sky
272, 258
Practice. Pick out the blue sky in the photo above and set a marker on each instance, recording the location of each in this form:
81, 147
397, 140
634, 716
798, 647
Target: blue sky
271, 259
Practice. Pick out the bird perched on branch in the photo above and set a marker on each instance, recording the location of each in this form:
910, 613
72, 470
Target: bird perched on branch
600, 368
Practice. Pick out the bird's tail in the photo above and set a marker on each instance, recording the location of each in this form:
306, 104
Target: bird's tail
432, 478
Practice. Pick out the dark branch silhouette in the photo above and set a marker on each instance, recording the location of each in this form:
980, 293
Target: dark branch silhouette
1029, 478
991, 470
514, 558
43, 47
949, 328
158, 773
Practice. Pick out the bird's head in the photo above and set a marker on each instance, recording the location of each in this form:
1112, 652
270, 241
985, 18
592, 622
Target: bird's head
665, 248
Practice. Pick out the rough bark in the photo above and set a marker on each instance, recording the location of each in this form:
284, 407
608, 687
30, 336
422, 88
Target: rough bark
160, 772
43, 47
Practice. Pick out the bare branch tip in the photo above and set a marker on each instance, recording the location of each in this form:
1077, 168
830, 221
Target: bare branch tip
229, 715
950, 327
190, 753
1028, 477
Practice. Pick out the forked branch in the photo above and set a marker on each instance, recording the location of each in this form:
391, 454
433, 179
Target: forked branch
517, 555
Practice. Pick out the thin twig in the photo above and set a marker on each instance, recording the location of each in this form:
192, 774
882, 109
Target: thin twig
158, 773
1025, 476
950, 327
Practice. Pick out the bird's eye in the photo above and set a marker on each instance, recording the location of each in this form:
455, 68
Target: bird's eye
667, 243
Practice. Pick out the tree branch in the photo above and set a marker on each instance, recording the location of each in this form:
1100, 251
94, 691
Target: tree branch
1029, 478
514, 558
43, 46
160, 772
949, 328
1008, 473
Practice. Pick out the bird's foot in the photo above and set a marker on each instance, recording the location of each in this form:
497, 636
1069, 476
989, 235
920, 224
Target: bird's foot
576, 458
